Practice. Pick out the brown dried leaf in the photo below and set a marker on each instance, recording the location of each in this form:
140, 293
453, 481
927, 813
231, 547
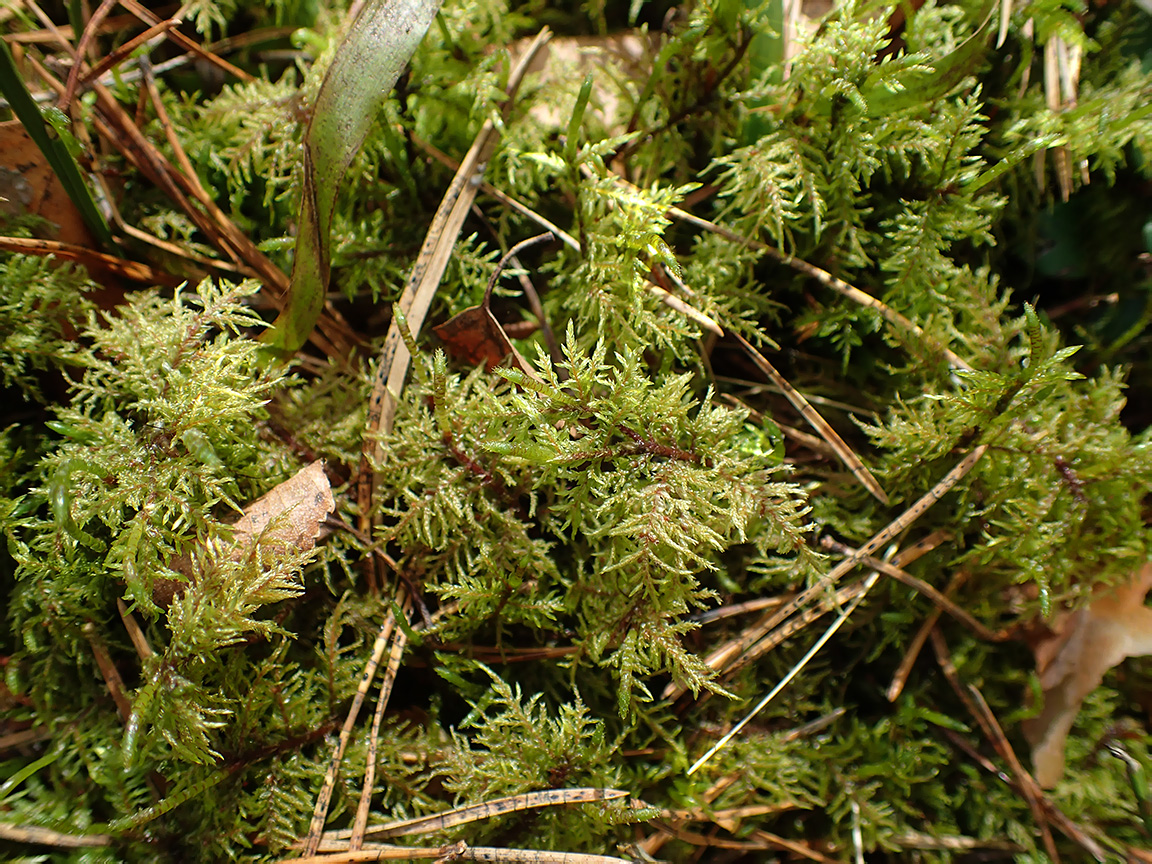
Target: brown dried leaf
1072, 662
28, 185
475, 335
288, 517
304, 500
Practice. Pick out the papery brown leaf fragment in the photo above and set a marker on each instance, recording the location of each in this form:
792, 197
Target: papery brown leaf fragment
475, 335
288, 517
1072, 662
305, 500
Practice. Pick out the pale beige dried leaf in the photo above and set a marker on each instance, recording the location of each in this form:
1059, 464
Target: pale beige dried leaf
299, 505
289, 516
1073, 660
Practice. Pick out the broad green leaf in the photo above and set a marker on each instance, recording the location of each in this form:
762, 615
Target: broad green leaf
373, 54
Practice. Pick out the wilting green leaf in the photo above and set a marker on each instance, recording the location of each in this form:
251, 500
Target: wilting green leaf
367, 64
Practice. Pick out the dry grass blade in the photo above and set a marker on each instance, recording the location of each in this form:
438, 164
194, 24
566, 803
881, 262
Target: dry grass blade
324, 798
675, 303
728, 654
383, 853
843, 451
459, 852
504, 198
476, 812
392, 370
532, 856
817, 604
768, 632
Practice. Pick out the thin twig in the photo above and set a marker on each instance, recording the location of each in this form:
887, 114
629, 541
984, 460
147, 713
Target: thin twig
125, 50
187, 44
169, 133
843, 451
995, 735
919, 585
476, 812
139, 640
1028, 785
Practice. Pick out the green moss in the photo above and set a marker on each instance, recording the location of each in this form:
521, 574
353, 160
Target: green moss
571, 527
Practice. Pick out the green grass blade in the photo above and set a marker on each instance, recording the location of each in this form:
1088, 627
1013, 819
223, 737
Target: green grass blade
367, 64
52, 146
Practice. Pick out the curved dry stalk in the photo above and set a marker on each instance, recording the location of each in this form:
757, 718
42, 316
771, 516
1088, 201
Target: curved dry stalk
122, 267
459, 852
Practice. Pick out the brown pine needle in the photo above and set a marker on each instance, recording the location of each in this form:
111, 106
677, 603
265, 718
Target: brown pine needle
900, 678
88, 257
324, 798
920, 586
843, 451
109, 672
1029, 788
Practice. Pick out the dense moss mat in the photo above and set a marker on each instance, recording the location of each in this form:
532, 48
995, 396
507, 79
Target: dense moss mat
567, 531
